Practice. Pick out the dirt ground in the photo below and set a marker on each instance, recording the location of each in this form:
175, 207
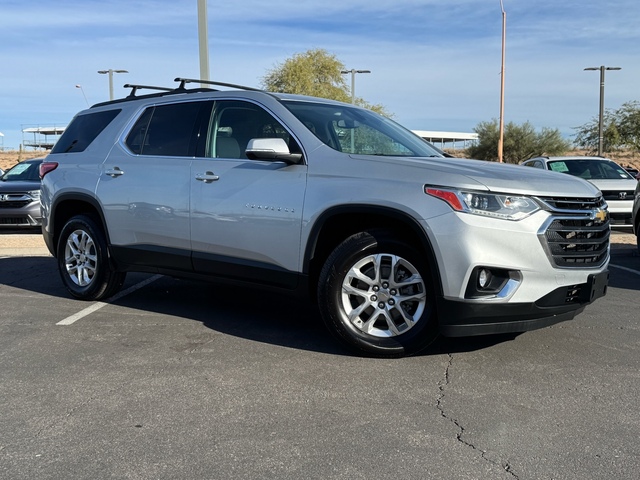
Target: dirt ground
9, 158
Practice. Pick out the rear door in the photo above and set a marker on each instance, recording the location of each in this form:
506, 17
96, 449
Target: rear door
145, 186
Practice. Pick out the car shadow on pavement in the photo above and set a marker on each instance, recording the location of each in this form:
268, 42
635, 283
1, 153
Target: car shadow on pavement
264, 317
35, 274
255, 315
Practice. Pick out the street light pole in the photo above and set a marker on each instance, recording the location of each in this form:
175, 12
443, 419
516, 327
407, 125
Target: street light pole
501, 128
110, 72
203, 41
602, 68
353, 72
85, 97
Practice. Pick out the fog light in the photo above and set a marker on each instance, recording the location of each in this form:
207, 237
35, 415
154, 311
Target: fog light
484, 278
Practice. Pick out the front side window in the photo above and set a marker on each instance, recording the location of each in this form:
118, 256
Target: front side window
83, 130
168, 130
355, 130
234, 123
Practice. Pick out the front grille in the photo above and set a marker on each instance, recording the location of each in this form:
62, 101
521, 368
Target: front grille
15, 200
618, 194
577, 233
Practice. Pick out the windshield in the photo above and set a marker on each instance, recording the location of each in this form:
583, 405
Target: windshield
359, 131
22, 172
591, 169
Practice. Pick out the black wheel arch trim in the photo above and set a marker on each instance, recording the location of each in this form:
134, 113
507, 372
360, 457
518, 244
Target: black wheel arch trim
379, 211
55, 227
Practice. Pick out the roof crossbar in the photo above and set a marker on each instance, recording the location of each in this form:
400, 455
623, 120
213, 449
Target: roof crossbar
184, 81
135, 88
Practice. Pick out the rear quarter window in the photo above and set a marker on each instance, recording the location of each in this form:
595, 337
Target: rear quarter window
83, 130
168, 130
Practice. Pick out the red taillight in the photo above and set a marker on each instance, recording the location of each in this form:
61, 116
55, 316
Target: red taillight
450, 197
46, 167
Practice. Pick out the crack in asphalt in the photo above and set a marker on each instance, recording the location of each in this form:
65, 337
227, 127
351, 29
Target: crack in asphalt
442, 384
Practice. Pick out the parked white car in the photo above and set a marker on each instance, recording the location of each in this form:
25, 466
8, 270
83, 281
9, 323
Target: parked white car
615, 183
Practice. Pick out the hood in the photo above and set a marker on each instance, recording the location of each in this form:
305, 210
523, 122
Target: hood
19, 186
622, 185
495, 177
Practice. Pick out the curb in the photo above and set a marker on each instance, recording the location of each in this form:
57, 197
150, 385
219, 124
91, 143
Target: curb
24, 252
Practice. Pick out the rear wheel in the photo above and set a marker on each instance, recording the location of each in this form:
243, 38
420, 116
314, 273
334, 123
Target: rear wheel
83, 260
375, 294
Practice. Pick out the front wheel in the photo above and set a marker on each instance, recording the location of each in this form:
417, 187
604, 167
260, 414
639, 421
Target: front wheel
376, 295
83, 260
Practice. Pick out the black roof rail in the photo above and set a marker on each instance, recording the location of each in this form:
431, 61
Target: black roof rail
184, 81
135, 88
162, 91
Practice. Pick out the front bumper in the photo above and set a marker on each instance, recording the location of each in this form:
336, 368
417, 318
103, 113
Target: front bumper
464, 318
20, 217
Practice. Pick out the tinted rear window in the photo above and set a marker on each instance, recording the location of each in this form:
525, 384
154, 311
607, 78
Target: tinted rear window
167, 130
83, 130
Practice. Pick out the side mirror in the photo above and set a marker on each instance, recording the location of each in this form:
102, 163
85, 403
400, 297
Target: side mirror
271, 149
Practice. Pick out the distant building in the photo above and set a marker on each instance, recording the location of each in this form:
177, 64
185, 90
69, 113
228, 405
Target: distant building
41, 137
448, 139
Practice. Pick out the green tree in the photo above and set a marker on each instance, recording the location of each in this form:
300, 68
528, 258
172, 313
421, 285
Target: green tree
628, 119
587, 136
621, 129
521, 142
315, 73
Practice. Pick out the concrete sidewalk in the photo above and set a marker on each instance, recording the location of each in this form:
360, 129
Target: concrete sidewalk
22, 245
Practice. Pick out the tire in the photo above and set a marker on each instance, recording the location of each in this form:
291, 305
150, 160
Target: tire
83, 260
376, 295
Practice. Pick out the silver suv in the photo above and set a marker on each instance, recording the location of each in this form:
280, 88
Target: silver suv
393, 241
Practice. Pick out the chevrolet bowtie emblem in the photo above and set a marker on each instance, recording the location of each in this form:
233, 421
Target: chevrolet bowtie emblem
599, 215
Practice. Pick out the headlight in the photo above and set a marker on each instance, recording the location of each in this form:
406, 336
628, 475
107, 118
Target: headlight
35, 194
507, 207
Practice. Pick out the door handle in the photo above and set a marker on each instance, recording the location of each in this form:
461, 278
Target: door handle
207, 177
114, 172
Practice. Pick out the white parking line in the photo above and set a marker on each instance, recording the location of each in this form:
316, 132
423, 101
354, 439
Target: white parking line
98, 305
626, 269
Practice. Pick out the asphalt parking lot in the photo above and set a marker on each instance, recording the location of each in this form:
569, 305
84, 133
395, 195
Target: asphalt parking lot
178, 380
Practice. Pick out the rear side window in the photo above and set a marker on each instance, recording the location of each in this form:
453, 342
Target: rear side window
168, 130
83, 130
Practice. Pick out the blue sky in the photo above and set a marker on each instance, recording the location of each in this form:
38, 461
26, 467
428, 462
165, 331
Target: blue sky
435, 64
